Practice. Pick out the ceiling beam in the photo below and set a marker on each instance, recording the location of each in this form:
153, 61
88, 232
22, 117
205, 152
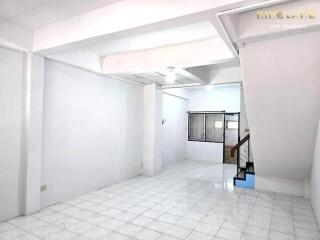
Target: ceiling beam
180, 85
79, 58
197, 53
116, 18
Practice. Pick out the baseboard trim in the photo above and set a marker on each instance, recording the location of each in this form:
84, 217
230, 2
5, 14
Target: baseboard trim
292, 187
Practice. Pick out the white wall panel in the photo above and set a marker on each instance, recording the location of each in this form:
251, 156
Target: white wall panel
174, 129
315, 178
11, 164
93, 130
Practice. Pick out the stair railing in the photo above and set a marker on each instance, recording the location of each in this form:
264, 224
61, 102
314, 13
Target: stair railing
237, 148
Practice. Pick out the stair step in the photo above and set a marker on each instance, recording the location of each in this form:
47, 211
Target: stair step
248, 182
245, 177
241, 174
250, 169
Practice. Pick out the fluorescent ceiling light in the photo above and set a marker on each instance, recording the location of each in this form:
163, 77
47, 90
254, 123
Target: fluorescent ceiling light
171, 75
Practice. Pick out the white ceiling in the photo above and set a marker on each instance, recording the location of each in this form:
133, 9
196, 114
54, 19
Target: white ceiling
38, 13
160, 78
156, 38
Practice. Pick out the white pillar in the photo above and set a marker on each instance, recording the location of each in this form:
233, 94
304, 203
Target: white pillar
152, 162
32, 144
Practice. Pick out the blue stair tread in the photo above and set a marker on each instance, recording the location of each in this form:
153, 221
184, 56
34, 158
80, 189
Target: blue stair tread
248, 182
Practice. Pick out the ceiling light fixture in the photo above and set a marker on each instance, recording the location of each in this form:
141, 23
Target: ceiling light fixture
209, 88
171, 75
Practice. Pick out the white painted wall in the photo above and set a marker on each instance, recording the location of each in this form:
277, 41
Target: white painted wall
315, 178
11, 165
281, 185
174, 129
93, 130
221, 98
282, 93
203, 151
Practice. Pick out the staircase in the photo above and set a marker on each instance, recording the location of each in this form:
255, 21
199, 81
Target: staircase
245, 167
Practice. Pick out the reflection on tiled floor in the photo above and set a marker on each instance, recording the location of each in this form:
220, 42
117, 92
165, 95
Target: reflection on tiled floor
189, 200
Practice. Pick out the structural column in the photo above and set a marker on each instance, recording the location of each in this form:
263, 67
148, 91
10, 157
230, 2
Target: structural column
32, 131
152, 162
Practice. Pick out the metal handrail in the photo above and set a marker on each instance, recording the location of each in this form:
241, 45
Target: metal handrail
237, 148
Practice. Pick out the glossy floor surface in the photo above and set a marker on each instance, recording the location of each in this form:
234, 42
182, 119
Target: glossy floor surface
189, 200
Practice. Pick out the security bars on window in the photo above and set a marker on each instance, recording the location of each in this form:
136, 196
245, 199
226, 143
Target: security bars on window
206, 127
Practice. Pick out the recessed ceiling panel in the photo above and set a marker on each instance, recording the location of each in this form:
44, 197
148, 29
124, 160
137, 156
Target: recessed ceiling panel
135, 78
153, 77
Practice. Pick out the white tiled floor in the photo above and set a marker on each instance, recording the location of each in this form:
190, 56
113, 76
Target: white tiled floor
189, 200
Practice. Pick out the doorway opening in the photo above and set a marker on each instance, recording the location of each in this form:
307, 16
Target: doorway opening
231, 136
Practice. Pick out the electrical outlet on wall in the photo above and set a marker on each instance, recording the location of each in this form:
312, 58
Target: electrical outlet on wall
43, 188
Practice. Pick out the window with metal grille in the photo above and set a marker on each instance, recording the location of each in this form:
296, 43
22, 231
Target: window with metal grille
214, 127
196, 127
206, 127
